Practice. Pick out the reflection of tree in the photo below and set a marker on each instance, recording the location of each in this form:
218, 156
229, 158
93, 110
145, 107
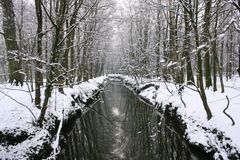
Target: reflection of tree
147, 139
169, 144
142, 138
138, 129
92, 135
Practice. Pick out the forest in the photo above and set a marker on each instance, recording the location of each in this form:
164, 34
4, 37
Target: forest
64, 42
58, 44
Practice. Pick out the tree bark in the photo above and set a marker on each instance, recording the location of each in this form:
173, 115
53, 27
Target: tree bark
38, 68
16, 75
193, 18
206, 41
158, 41
70, 42
200, 72
84, 63
237, 5
186, 49
172, 57
57, 44
214, 50
220, 68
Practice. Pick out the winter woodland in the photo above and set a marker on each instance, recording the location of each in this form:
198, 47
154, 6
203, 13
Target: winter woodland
53, 45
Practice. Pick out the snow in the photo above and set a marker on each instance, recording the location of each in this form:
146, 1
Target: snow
55, 144
84, 90
201, 47
171, 63
16, 120
162, 61
11, 112
199, 130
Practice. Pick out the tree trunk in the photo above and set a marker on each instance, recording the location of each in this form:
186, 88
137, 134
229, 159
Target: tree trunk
186, 49
200, 73
54, 74
38, 68
230, 73
214, 50
200, 81
70, 42
172, 57
237, 5
238, 69
214, 59
193, 18
14, 61
84, 55
206, 41
158, 39
220, 68
3, 65
227, 64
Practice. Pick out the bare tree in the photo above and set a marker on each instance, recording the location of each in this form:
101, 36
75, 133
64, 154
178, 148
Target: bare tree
57, 53
16, 76
38, 72
206, 41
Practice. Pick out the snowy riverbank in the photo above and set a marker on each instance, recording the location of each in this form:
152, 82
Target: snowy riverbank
19, 137
217, 135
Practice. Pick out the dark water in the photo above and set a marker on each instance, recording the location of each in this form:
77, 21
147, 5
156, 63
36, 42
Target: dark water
120, 126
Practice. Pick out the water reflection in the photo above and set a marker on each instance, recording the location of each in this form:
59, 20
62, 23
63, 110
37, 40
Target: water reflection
120, 126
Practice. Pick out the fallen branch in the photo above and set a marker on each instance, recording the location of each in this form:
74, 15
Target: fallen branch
180, 89
55, 144
224, 111
29, 91
180, 94
171, 92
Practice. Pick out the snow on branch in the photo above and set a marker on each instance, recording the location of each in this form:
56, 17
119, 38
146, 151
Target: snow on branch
55, 144
232, 23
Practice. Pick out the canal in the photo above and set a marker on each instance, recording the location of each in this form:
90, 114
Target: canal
121, 127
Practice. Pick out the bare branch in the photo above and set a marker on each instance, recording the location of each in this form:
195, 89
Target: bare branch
48, 15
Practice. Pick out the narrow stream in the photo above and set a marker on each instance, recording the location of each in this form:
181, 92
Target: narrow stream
120, 126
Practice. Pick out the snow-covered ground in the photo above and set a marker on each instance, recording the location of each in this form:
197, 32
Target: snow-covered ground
18, 114
199, 130
16, 119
